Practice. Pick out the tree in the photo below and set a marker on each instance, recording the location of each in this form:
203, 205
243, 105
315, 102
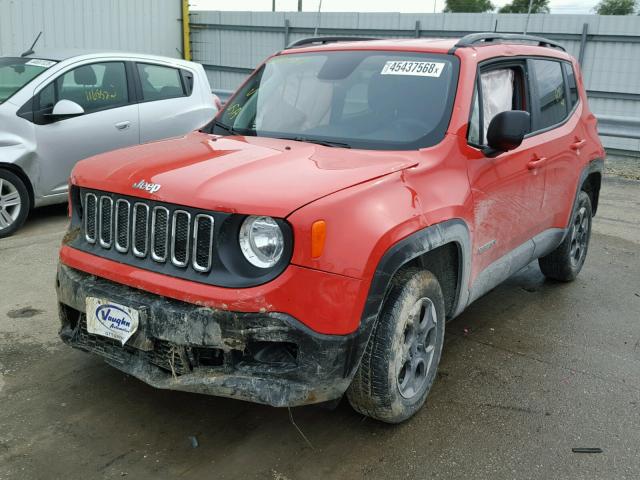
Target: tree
616, 7
468, 6
522, 6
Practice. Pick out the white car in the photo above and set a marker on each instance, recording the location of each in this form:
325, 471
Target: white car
58, 107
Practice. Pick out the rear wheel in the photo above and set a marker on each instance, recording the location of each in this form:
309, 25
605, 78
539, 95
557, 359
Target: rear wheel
14, 203
566, 261
400, 362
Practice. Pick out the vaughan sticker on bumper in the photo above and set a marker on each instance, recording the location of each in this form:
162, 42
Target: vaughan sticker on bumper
111, 319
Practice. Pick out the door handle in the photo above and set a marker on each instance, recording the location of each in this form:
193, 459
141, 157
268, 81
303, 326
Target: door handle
537, 162
578, 145
123, 125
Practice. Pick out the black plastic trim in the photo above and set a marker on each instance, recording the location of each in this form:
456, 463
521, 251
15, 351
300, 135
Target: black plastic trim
229, 267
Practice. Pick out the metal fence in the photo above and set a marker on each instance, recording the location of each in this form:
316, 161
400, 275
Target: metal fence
231, 44
146, 26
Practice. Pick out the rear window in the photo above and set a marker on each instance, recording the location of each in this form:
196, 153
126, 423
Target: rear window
573, 87
159, 83
361, 99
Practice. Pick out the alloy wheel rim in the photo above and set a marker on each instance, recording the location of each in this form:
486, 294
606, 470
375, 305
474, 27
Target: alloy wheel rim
10, 203
418, 348
579, 236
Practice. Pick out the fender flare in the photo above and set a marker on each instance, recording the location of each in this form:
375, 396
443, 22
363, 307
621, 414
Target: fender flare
594, 166
418, 243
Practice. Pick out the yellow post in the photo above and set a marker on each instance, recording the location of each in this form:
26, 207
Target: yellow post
186, 34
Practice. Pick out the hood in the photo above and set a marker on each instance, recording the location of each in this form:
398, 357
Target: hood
249, 175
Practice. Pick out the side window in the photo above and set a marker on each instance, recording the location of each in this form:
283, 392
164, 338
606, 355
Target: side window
550, 92
474, 121
573, 87
500, 89
48, 97
94, 87
159, 82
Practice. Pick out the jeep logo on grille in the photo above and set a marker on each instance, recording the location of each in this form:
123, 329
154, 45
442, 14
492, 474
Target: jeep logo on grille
149, 187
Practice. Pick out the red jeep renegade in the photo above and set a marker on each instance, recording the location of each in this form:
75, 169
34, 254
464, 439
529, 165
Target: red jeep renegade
350, 198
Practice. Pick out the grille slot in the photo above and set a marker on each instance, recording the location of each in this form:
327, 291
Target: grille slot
140, 229
91, 207
105, 222
160, 234
122, 231
180, 226
202, 242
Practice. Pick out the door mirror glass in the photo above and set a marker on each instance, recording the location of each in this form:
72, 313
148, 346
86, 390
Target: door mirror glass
506, 131
66, 109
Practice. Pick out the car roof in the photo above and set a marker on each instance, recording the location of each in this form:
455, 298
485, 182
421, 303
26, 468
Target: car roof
436, 45
433, 45
60, 55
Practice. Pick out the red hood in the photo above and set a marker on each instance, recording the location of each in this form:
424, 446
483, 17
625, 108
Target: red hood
252, 175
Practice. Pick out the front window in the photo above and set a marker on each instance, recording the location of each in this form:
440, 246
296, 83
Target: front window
15, 73
361, 99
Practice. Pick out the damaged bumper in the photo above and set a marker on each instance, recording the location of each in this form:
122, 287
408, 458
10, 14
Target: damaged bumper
268, 358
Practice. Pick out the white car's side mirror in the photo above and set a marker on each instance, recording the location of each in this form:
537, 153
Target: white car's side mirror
66, 109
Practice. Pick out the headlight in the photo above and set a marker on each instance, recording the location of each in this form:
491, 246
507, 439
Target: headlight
261, 241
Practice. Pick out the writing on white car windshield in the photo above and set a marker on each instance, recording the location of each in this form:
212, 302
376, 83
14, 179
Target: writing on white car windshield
16, 72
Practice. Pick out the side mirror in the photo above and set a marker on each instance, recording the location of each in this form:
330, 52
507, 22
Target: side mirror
506, 131
65, 109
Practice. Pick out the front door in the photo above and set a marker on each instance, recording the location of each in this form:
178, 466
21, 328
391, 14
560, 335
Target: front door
110, 121
508, 190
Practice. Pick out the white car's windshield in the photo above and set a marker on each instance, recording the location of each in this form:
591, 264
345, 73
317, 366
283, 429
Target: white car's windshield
16, 72
360, 99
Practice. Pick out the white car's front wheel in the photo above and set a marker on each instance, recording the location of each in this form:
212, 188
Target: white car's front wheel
14, 203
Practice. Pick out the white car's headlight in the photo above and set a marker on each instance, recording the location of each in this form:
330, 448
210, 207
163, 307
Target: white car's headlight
261, 241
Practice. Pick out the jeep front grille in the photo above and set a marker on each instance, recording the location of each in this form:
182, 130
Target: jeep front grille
164, 234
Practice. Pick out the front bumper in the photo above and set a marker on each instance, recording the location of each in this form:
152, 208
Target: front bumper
268, 358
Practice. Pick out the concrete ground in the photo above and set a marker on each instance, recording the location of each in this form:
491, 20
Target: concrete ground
529, 371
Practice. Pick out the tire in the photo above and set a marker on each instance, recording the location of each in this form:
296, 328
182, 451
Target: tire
14, 203
400, 361
566, 261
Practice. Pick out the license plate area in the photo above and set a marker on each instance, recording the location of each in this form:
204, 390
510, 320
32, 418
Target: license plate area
111, 319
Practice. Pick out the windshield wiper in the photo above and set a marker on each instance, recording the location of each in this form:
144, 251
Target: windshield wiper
229, 129
326, 143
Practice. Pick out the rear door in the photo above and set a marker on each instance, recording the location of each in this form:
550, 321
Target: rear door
559, 134
168, 105
110, 120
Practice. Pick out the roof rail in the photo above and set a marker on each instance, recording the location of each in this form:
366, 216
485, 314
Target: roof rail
324, 40
490, 37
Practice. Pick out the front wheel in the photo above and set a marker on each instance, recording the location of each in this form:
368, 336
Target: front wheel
566, 261
399, 365
14, 203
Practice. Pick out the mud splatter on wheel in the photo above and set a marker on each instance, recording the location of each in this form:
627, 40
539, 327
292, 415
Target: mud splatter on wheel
402, 356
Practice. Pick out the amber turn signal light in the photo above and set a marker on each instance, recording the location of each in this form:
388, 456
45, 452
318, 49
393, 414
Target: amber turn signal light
318, 236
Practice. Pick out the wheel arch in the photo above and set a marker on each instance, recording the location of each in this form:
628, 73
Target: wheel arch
591, 185
443, 248
16, 170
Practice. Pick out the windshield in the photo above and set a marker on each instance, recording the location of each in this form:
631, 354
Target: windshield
360, 99
15, 73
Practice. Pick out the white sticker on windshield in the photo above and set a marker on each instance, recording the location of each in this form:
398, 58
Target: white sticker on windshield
37, 62
407, 67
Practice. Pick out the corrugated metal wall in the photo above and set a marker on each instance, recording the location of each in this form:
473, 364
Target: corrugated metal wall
231, 44
146, 26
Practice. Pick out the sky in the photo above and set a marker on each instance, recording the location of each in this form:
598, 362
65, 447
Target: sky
405, 6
